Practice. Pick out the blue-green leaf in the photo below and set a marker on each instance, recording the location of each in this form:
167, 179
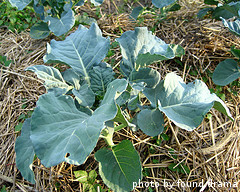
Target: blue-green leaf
162, 3
123, 98
25, 152
20, 4
234, 26
226, 72
120, 117
151, 122
80, 3
135, 13
39, 30
62, 25
148, 76
81, 50
51, 76
100, 77
120, 167
72, 78
140, 48
84, 96
59, 128
97, 2
185, 104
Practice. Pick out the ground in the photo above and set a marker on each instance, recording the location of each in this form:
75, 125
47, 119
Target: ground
210, 152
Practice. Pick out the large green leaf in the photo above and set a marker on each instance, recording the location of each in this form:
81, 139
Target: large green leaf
60, 26
20, 4
81, 50
39, 30
120, 167
162, 3
100, 77
59, 128
24, 152
226, 11
185, 104
140, 48
226, 72
151, 122
51, 76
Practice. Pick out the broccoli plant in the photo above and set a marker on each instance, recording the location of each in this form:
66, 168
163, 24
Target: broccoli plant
229, 70
55, 16
86, 103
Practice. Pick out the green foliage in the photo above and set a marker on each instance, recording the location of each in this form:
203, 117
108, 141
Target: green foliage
3, 189
164, 6
88, 180
4, 61
14, 19
56, 16
224, 9
120, 167
85, 103
226, 72
180, 168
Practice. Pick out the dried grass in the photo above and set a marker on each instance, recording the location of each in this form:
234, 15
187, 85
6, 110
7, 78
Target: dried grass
211, 151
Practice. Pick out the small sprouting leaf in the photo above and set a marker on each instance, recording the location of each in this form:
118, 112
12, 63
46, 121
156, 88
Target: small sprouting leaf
100, 77
148, 76
51, 76
81, 176
87, 47
39, 30
174, 167
120, 167
84, 96
60, 128
62, 25
20, 4
92, 176
185, 104
178, 50
151, 122
162, 3
25, 152
235, 52
18, 127
140, 48
226, 72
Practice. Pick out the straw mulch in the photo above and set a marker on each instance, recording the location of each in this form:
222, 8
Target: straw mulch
211, 152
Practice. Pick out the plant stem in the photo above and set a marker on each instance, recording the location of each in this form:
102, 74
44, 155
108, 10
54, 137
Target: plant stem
119, 127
